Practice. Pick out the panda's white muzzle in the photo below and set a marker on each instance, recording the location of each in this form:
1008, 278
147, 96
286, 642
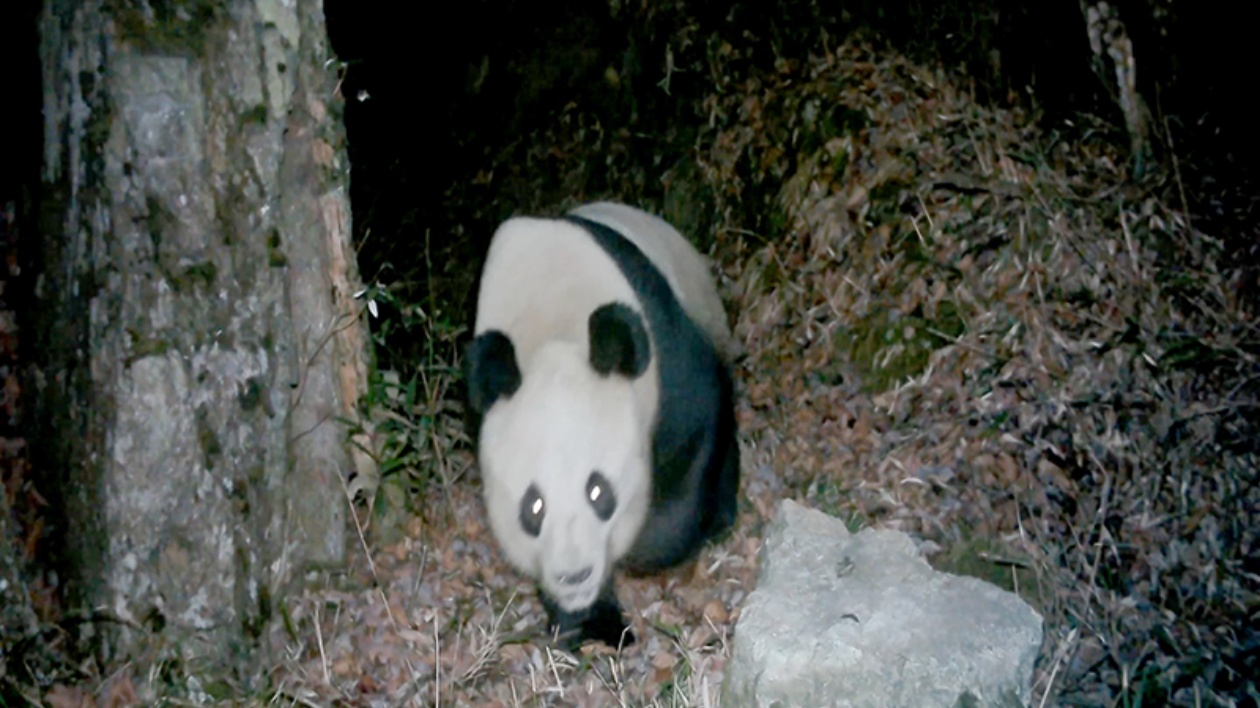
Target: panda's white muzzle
574, 588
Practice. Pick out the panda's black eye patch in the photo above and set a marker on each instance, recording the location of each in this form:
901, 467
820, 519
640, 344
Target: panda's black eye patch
533, 509
600, 495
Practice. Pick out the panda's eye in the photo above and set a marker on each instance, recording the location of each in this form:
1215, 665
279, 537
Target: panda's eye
600, 495
533, 509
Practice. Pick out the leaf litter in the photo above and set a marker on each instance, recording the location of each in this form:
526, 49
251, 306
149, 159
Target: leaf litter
956, 325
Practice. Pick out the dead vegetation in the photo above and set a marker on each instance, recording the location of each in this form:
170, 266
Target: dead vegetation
997, 343
957, 325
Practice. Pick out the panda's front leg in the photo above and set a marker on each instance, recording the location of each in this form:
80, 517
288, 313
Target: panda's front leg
601, 622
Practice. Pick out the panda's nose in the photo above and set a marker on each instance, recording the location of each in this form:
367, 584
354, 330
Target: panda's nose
574, 578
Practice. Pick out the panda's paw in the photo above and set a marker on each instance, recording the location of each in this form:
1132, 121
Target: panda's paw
608, 628
605, 624
601, 622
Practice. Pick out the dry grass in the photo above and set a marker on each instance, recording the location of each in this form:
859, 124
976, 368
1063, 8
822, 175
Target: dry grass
1001, 346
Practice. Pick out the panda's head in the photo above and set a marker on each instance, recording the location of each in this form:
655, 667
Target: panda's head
565, 450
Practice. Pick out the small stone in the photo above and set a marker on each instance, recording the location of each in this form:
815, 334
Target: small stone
715, 612
669, 614
344, 667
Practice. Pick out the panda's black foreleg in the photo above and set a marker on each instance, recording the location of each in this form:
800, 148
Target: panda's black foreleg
601, 622
722, 502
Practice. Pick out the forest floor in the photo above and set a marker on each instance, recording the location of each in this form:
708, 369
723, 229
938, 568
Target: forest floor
956, 325
964, 328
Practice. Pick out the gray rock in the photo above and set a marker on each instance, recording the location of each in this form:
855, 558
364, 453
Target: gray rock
841, 619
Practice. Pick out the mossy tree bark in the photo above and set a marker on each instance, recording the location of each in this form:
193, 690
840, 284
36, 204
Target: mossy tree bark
17, 619
200, 347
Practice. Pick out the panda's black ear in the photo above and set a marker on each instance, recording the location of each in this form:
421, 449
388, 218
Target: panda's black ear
619, 341
491, 370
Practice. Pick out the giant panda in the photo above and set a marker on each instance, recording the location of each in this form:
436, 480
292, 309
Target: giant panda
600, 386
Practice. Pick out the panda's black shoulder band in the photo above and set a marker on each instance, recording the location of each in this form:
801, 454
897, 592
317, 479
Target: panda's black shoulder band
491, 368
619, 340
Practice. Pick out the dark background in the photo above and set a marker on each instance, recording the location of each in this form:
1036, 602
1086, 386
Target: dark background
429, 123
445, 97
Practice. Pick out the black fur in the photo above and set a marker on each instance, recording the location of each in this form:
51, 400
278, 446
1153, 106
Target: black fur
618, 341
602, 621
491, 370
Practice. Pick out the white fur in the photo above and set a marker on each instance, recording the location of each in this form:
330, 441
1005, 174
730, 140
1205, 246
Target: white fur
541, 281
548, 435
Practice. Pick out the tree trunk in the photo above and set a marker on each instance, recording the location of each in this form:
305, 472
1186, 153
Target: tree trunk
17, 620
200, 347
